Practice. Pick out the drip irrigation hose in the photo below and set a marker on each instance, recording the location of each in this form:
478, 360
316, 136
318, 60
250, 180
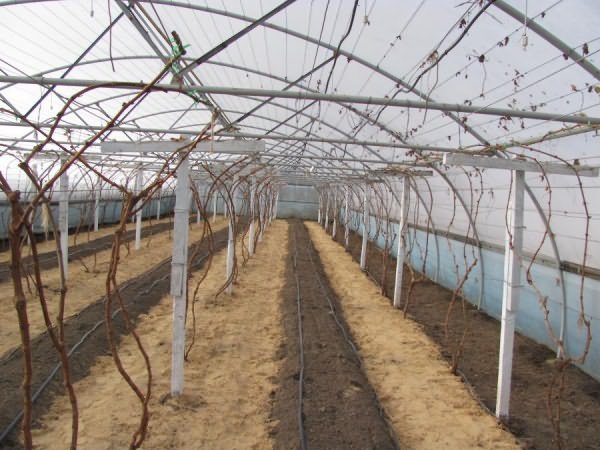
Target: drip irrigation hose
88, 333
301, 430
387, 420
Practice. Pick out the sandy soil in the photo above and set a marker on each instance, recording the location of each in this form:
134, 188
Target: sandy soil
229, 378
84, 286
50, 245
429, 407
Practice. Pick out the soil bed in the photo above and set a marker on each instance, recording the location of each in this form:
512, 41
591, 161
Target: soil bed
47, 260
140, 294
339, 407
533, 364
229, 373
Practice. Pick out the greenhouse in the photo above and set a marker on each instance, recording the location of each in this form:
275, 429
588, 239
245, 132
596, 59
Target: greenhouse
299, 224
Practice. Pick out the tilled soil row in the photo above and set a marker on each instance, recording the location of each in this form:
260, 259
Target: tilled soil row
533, 364
139, 294
339, 407
48, 260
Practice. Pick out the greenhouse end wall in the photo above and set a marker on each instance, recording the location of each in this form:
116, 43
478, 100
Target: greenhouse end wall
530, 318
298, 201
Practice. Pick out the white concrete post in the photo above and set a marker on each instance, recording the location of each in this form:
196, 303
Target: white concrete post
63, 218
215, 197
252, 224
230, 238
513, 255
363, 250
276, 205
97, 204
402, 226
335, 213
179, 275
327, 213
261, 213
347, 218
269, 210
158, 204
319, 210
197, 207
139, 183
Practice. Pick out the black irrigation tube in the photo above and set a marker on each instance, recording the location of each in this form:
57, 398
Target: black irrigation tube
301, 430
348, 339
88, 333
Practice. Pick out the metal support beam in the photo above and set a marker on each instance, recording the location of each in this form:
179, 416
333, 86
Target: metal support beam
402, 227
304, 95
179, 275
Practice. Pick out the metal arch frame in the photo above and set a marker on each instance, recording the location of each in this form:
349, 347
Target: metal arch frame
393, 193
546, 35
402, 82
308, 38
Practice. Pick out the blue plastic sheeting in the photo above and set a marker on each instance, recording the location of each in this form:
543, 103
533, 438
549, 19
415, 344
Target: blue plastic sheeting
81, 213
530, 317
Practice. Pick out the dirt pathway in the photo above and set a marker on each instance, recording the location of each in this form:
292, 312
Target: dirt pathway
429, 407
85, 285
84, 237
533, 363
139, 293
229, 376
339, 407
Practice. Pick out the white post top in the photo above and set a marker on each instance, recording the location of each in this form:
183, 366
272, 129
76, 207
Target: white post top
526, 165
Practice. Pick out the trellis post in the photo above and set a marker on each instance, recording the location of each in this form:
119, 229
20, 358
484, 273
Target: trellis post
139, 183
179, 275
276, 206
513, 255
252, 221
400, 255
158, 204
319, 210
347, 218
230, 238
97, 204
335, 212
327, 213
215, 198
199, 203
363, 250
63, 218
